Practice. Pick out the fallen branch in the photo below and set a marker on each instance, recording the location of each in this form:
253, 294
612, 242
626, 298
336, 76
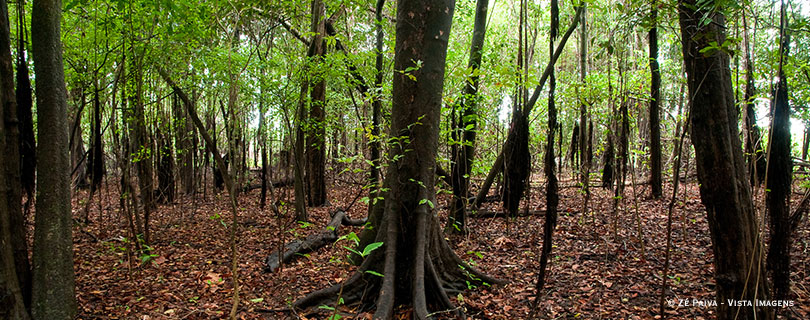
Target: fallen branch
312, 242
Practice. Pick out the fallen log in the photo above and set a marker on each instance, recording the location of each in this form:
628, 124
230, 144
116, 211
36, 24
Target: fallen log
312, 242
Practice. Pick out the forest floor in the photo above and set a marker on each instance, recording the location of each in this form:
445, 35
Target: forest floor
594, 273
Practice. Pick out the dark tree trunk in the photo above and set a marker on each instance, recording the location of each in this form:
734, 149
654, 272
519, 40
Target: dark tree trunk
655, 109
467, 121
780, 172
573, 148
28, 147
552, 196
15, 274
417, 264
724, 188
53, 276
95, 161
219, 181
516, 163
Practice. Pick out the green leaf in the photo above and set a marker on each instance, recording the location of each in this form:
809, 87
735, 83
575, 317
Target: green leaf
257, 300
374, 273
371, 247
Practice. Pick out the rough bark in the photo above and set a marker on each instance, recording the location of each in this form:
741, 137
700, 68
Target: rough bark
53, 277
724, 188
418, 265
655, 109
516, 163
14, 272
779, 179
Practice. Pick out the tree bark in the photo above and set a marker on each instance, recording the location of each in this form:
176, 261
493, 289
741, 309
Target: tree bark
28, 146
655, 109
724, 188
53, 276
14, 265
779, 179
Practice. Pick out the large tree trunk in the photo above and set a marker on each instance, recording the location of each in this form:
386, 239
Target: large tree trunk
53, 276
724, 188
316, 130
780, 172
655, 103
417, 264
14, 266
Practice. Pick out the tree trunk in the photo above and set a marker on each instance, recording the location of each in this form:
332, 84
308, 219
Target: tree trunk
467, 121
724, 189
53, 275
316, 131
28, 146
655, 99
780, 172
417, 264
552, 196
15, 278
